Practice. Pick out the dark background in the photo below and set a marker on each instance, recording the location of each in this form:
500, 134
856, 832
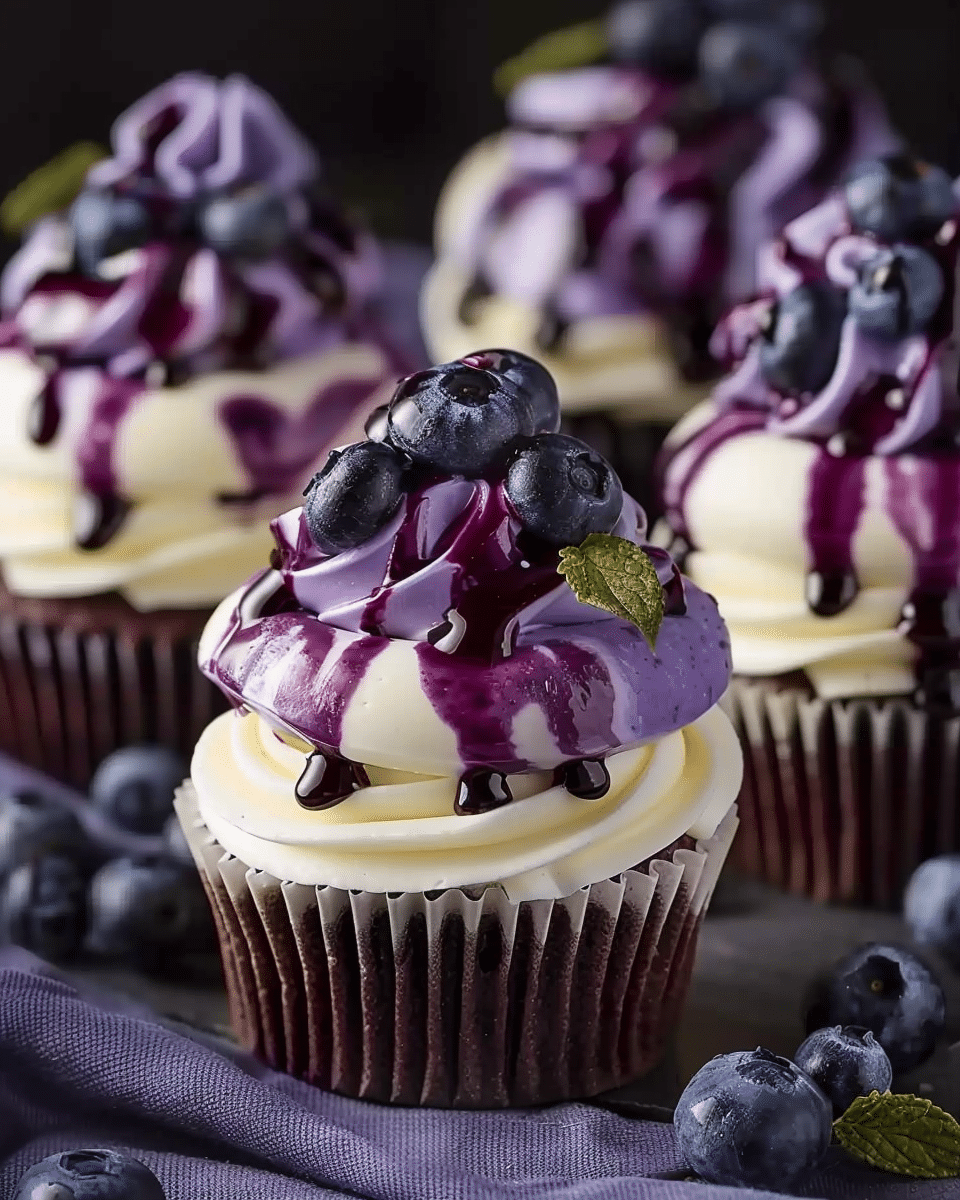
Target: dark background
391, 91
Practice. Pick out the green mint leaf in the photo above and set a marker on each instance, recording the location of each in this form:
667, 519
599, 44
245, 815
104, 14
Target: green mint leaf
50, 188
575, 46
617, 576
903, 1134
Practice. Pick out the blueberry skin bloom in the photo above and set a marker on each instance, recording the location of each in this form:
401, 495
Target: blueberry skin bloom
931, 905
897, 292
531, 377
354, 496
752, 1119
889, 991
845, 1062
89, 1175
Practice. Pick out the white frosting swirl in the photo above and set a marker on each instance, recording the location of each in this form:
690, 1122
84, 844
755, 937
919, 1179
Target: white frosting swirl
400, 834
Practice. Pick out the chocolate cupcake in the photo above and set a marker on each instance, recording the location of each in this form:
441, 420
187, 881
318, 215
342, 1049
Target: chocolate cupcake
179, 347
817, 498
461, 829
619, 215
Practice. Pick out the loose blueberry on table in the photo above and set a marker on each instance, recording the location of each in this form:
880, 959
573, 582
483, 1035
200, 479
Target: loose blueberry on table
89, 1174
845, 1061
43, 906
31, 823
931, 905
133, 787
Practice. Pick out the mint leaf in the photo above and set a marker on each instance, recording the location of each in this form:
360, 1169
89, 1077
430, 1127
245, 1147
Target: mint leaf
50, 188
617, 576
575, 46
903, 1134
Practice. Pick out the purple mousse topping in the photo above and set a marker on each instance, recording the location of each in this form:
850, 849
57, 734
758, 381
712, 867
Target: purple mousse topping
207, 242
446, 560
649, 184
852, 346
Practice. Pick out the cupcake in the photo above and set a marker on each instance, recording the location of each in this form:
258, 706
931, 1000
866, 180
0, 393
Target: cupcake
461, 828
817, 498
179, 347
620, 214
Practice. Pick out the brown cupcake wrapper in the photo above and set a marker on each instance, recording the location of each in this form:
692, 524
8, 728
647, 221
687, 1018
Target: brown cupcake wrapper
459, 998
842, 799
78, 681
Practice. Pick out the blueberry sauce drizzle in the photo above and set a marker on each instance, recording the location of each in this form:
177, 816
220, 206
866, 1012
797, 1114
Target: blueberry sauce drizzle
327, 779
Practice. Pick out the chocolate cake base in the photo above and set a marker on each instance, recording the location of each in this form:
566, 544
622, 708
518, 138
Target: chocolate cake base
459, 998
81, 677
841, 799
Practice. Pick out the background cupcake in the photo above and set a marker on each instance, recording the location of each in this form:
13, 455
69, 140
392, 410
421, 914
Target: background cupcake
610, 226
179, 347
460, 833
817, 499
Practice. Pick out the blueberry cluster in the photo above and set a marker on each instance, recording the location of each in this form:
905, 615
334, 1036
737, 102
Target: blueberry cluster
898, 201
738, 52
93, 1174
753, 1118
493, 414
121, 885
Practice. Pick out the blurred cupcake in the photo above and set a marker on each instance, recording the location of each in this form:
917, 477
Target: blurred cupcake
817, 498
179, 348
460, 832
606, 231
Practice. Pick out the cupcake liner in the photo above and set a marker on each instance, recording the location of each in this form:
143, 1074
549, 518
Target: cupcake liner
79, 679
459, 998
842, 799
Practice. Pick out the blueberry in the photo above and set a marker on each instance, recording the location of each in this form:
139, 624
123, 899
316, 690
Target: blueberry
845, 1062
354, 496
897, 292
800, 341
31, 823
459, 419
931, 905
43, 906
148, 909
105, 223
660, 36
899, 197
134, 786
562, 491
887, 990
752, 1119
251, 223
743, 63
533, 379
89, 1175
800, 19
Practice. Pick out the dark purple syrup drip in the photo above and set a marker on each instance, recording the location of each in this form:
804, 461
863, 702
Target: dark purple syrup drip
480, 790
43, 421
327, 780
587, 778
835, 503
97, 517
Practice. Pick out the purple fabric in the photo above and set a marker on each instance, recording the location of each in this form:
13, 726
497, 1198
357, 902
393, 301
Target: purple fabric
77, 1069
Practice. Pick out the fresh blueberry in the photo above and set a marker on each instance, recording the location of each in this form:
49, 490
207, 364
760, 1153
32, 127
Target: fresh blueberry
845, 1062
899, 197
30, 824
147, 910
897, 292
43, 906
563, 491
105, 223
660, 36
931, 905
800, 19
354, 496
459, 419
89, 1175
743, 63
533, 379
134, 786
251, 223
800, 340
752, 1119
887, 990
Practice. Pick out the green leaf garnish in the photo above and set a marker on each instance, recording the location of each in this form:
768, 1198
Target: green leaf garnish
617, 576
49, 188
904, 1134
574, 46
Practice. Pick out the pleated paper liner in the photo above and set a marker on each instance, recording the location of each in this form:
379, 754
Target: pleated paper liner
459, 998
842, 799
79, 678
